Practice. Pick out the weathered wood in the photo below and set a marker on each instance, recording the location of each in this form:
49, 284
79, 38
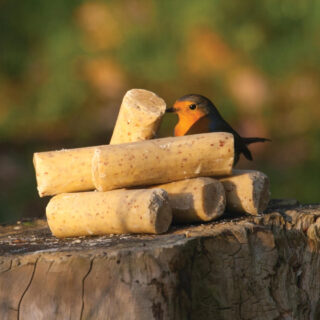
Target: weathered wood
256, 267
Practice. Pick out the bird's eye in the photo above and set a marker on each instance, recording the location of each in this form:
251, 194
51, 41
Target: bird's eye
192, 106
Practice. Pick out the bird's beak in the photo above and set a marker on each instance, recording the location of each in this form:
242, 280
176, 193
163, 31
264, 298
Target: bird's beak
171, 109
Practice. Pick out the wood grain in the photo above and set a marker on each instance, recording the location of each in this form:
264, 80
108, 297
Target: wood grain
255, 267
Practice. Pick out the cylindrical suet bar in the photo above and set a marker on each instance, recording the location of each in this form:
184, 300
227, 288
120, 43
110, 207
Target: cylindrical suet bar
63, 171
118, 211
247, 191
139, 116
162, 160
194, 200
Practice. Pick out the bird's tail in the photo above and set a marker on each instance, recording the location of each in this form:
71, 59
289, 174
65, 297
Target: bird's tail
253, 140
244, 149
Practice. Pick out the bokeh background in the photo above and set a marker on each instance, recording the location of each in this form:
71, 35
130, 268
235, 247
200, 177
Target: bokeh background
65, 66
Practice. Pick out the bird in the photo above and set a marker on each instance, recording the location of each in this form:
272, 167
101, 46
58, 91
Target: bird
197, 114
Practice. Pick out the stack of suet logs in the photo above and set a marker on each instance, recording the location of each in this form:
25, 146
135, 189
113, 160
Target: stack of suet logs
138, 184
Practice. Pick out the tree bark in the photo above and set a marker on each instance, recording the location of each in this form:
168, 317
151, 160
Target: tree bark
252, 267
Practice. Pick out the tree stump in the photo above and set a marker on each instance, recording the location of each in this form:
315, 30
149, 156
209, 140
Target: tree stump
250, 267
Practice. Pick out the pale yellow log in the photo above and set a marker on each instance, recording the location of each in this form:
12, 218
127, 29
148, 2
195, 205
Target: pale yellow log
139, 116
162, 160
117, 211
63, 171
247, 191
197, 199
70, 170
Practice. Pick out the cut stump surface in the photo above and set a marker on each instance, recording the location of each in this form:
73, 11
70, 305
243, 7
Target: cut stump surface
252, 267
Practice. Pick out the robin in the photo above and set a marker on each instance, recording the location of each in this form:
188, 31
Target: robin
197, 114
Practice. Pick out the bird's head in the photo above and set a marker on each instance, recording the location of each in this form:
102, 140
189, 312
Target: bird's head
191, 108
192, 105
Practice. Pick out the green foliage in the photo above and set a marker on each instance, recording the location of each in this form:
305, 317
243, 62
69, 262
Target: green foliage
63, 63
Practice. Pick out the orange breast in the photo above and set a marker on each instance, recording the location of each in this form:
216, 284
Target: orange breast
192, 126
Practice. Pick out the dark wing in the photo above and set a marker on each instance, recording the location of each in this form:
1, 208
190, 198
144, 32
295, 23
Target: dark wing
241, 147
218, 124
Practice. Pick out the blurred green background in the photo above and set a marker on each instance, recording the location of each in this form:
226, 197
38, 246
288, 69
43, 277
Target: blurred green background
65, 66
